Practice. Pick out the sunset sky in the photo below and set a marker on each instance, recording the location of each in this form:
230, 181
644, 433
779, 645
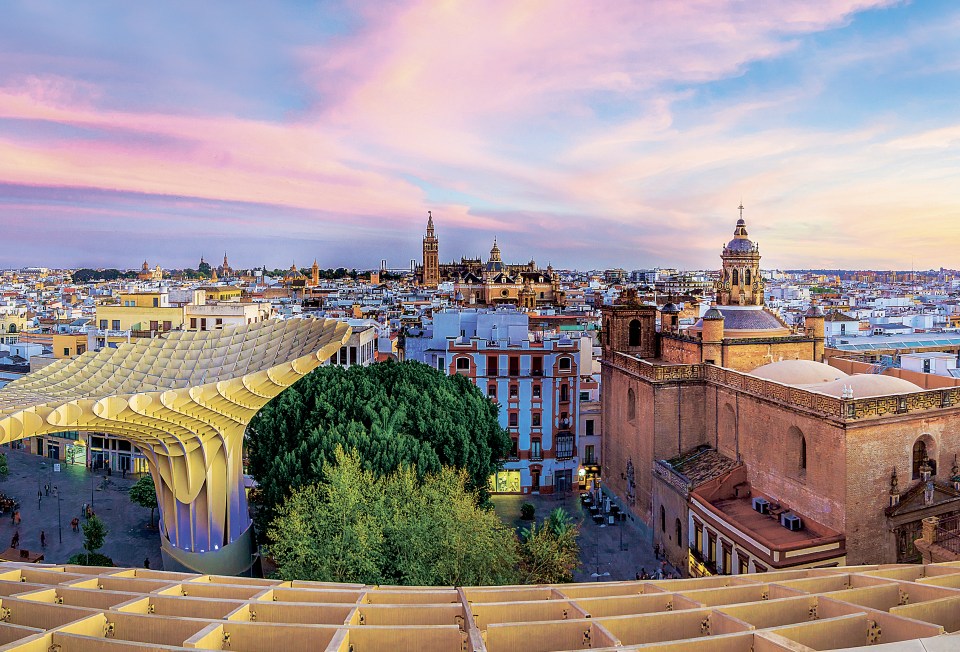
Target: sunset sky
587, 133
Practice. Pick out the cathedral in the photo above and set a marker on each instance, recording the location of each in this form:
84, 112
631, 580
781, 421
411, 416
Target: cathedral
490, 283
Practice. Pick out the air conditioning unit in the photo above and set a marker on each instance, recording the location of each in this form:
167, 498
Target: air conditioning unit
791, 521
761, 505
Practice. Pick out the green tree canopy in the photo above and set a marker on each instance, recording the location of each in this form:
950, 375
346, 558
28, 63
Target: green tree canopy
392, 414
94, 534
550, 553
144, 493
357, 526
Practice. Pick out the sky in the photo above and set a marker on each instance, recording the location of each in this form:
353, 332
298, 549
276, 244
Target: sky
586, 134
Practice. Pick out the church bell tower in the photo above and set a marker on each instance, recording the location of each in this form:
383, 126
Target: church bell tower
431, 256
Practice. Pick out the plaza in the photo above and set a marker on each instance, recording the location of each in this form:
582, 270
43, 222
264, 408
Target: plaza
130, 539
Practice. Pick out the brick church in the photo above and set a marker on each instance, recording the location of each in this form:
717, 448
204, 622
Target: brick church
745, 452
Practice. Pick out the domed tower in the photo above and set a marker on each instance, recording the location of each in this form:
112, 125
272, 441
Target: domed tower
814, 327
431, 255
711, 351
740, 283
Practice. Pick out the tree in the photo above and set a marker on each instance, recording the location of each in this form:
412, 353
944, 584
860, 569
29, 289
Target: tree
204, 269
4, 466
144, 493
392, 414
550, 553
94, 534
357, 526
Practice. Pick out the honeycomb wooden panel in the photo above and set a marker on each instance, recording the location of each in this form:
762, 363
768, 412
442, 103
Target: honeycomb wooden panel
138, 610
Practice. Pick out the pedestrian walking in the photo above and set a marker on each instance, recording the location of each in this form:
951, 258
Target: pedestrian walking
43, 539
75, 524
83, 510
659, 575
15, 541
16, 518
146, 562
46, 489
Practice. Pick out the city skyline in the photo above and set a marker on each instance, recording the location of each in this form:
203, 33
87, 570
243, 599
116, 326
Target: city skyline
290, 132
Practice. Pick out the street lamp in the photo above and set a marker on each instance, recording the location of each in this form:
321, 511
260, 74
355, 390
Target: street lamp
59, 520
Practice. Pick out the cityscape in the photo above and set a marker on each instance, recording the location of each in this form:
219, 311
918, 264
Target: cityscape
638, 335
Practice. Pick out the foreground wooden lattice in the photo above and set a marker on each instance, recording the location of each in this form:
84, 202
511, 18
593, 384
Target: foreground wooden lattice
70, 608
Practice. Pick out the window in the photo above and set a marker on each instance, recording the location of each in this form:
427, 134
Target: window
711, 547
920, 455
536, 391
492, 390
635, 332
514, 391
679, 532
193, 322
564, 445
442, 364
698, 537
606, 333
589, 428
803, 453
584, 396
512, 419
66, 351
535, 451
116, 324
492, 365
156, 302
103, 325
219, 322
564, 393
167, 325
736, 277
536, 368
743, 561
154, 325
535, 418
746, 276
727, 560
663, 519
514, 366
588, 454
631, 405
463, 364
565, 364
514, 449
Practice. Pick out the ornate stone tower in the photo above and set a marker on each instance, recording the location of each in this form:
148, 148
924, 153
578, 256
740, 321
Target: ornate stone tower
629, 327
740, 283
431, 256
315, 274
814, 327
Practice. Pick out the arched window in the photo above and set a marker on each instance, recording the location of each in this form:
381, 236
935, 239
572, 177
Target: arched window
564, 364
803, 453
746, 276
923, 450
631, 405
736, 277
635, 332
663, 519
679, 532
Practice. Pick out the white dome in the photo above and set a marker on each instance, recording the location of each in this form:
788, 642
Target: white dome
798, 372
865, 386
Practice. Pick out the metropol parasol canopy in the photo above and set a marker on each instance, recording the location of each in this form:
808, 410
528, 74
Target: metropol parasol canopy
184, 400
